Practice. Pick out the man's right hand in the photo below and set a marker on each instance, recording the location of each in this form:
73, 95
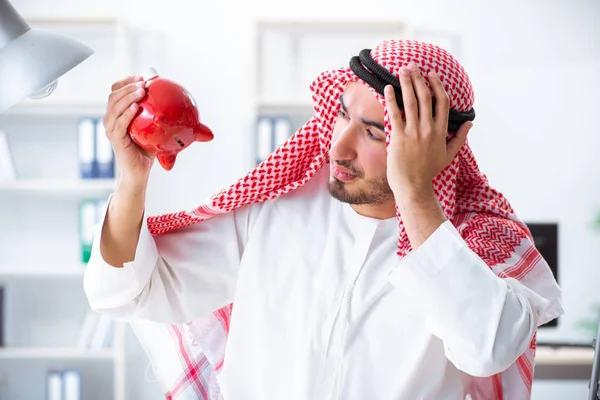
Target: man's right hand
135, 163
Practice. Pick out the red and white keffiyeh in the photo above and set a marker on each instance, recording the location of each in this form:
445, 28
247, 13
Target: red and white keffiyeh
187, 358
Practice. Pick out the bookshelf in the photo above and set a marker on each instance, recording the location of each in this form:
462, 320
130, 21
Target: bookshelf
41, 265
290, 53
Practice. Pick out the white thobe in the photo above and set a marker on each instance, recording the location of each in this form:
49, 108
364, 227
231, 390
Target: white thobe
323, 306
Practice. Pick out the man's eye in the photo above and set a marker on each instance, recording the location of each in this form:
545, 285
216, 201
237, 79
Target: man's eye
342, 114
373, 136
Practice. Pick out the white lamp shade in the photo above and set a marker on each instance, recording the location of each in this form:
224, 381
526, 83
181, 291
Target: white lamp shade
34, 60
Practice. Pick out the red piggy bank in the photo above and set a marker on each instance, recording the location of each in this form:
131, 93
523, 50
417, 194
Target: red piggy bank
167, 120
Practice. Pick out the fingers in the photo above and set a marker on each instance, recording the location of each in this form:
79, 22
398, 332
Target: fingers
394, 111
125, 81
120, 100
458, 140
411, 107
442, 103
424, 99
123, 121
130, 96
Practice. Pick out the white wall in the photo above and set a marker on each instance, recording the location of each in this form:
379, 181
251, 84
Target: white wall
534, 66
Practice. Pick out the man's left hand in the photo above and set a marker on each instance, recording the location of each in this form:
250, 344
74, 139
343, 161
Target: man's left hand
418, 150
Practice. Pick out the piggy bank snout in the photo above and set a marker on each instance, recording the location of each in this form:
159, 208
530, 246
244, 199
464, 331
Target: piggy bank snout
159, 120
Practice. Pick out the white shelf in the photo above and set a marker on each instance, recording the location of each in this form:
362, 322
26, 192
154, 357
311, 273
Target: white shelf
285, 104
46, 271
56, 109
59, 186
546, 355
54, 352
38, 20
328, 25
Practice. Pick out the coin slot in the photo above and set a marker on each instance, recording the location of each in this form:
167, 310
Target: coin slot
178, 141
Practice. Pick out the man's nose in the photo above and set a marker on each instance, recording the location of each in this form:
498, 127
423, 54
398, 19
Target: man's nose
343, 147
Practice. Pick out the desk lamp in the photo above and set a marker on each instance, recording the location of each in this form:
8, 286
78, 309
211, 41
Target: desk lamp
32, 60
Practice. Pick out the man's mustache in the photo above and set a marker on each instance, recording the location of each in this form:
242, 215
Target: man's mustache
346, 164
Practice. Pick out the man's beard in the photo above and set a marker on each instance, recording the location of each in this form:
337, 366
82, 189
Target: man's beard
376, 191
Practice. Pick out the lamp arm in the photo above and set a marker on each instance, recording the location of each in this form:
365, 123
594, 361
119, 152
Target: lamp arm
12, 25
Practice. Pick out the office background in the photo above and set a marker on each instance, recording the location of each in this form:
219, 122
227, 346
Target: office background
534, 67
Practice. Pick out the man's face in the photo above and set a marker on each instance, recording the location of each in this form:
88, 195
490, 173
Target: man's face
358, 150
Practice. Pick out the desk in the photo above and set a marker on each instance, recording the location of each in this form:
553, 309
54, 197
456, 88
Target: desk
573, 363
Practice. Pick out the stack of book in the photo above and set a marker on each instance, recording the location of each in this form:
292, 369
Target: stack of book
63, 385
95, 153
96, 161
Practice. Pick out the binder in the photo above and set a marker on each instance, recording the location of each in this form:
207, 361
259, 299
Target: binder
86, 148
264, 138
71, 385
104, 156
283, 130
54, 385
87, 219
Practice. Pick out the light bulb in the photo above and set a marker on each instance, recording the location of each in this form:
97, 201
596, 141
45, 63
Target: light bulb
45, 91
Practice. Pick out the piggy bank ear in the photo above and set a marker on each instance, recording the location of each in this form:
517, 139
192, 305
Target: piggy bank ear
167, 161
203, 133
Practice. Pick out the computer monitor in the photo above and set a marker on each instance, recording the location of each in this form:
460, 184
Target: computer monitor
545, 237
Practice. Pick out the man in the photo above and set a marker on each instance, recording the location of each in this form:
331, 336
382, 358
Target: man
367, 258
